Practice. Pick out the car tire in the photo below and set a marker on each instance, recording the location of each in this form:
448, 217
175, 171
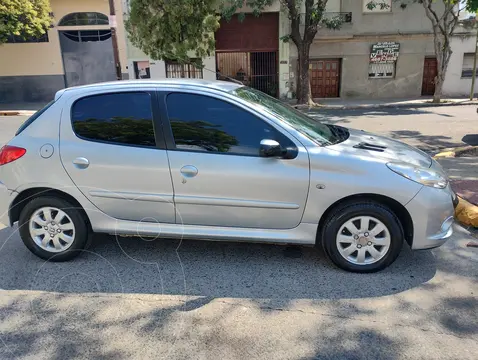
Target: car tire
54, 241
372, 250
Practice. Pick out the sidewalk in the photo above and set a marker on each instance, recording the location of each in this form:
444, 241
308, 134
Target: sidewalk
349, 104
26, 109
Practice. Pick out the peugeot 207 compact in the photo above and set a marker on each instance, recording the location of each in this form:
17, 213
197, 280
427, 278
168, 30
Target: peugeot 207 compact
215, 160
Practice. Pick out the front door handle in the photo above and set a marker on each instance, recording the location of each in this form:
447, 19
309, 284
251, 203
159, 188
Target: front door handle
81, 163
189, 171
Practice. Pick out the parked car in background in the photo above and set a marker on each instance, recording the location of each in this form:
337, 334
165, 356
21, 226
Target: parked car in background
215, 160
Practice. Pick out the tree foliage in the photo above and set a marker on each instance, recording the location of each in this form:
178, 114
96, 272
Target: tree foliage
25, 18
172, 29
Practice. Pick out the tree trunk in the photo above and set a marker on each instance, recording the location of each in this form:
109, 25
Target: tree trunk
303, 82
438, 88
443, 53
443, 58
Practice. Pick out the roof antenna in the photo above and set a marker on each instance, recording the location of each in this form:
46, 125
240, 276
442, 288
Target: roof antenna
225, 76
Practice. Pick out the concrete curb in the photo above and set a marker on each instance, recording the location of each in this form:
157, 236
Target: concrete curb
466, 213
424, 104
17, 112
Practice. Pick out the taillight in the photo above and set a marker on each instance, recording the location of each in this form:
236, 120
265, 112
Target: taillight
10, 153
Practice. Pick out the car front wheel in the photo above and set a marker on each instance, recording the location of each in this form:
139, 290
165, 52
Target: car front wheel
362, 237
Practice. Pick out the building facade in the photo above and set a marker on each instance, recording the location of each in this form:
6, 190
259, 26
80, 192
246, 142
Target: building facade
460, 68
77, 50
378, 53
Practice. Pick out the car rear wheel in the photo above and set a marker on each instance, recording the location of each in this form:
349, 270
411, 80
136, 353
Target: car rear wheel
362, 237
53, 229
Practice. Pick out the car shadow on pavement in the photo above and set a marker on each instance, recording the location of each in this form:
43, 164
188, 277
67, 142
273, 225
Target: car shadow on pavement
428, 143
208, 269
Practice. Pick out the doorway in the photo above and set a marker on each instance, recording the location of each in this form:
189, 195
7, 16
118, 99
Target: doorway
429, 73
324, 78
87, 56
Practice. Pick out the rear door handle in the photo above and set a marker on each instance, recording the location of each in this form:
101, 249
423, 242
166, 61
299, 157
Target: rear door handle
189, 171
81, 163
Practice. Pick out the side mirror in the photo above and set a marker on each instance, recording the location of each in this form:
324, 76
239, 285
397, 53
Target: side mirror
270, 148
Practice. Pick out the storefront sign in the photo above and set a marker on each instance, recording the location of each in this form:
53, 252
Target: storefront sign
384, 52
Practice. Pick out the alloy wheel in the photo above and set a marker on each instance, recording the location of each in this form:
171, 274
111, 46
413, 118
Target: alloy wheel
52, 229
363, 240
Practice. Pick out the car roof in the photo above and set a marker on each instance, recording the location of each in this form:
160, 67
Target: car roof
187, 83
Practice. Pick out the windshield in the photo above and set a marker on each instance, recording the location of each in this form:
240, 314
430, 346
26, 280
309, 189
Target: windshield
320, 133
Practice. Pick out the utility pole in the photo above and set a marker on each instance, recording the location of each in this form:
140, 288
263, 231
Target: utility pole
114, 39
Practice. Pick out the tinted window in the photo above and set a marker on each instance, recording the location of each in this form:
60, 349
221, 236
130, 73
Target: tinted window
207, 124
122, 118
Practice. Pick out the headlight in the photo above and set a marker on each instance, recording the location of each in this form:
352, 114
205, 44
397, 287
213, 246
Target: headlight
424, 176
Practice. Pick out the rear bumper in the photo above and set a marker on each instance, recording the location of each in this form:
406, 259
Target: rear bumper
5, 201
432, 211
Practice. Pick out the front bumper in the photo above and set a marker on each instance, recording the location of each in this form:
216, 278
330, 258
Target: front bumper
5, 200
432, 211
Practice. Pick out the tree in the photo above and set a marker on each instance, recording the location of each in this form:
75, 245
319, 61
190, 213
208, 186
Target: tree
24, 18
303, 28
444, 17
170, 29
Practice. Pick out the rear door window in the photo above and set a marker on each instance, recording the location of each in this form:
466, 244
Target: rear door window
120, 118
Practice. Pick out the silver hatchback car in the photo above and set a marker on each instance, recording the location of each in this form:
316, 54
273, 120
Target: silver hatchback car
215, 160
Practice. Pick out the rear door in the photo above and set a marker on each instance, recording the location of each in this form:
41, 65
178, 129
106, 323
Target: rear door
110, 146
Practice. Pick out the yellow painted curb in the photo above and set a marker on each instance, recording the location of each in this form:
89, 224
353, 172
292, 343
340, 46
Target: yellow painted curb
466, 213
445, 154
456, 152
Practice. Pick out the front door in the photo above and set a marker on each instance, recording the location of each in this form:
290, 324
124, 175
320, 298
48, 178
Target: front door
109, 147
324, 78
219, 178
429, 73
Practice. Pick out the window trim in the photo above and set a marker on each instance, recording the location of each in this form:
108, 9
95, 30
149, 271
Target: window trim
156, 119
168, 131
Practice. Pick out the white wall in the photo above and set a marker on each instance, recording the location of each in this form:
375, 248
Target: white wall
454, 85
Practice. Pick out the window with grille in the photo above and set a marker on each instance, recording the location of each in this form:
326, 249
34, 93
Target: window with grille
88, 35
378, 7
467, 68
177, 70
84, 18
381, 71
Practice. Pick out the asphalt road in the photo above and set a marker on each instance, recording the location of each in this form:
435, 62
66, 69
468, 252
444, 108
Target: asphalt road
128, 298
430, 129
